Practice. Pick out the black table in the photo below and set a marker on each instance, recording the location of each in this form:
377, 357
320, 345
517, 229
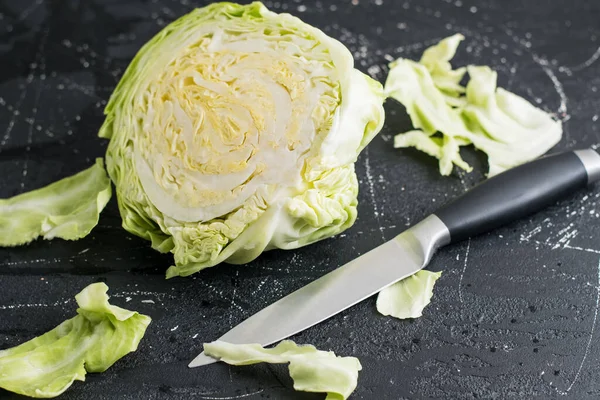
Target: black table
515, 312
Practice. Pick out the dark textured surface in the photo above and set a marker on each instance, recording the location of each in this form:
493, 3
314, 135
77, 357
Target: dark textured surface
514, 314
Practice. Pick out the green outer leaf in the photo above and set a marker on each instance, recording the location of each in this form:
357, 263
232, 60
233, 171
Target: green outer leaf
67, 209
92, 341
408, 298
312, 370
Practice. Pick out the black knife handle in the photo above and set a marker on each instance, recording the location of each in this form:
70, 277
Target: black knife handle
518, 192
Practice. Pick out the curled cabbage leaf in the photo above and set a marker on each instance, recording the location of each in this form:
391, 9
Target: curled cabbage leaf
68, 209
437, 61
408, 297
446, 115
234, 131
92, 341
312, 370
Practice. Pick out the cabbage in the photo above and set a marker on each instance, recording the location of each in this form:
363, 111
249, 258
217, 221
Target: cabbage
67, 209
436, 59
234, 131
92, 341
446, 115
408, 297
312, 370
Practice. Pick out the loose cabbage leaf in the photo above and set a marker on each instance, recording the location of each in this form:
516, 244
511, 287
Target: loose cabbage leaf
508, 128
437, 61
234, 131
92, 341
312, 370
408, 298
67, 209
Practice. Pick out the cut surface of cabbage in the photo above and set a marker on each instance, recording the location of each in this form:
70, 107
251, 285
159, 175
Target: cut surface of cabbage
235, 130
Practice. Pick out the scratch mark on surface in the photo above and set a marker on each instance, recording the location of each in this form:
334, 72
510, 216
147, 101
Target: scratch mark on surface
89, 91
464, 270
210, 287
125, 295
157, 295
372, 194
16, 112
566, 238
35, 305
30, 137
260, 285
562, 108
56, 260
562, 112
526, 237
29, 10
39, 59
233, 295
587, 62
232, 397
568, 246
589, 343
413, 47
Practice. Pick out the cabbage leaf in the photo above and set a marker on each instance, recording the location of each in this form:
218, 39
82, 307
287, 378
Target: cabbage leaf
437, 61
446, 115
408, 297
92, 341
67, 209
312, 370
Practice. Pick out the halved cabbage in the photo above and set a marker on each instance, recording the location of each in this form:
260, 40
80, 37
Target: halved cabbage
235, 130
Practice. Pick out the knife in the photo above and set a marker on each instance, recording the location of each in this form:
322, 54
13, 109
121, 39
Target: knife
496, 201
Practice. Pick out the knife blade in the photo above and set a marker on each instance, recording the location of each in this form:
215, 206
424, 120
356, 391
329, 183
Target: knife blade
501, 199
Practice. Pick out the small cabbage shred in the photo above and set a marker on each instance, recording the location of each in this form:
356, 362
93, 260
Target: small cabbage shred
312, 370
92, 341
234, 131
67, 209
446, 115
408, 297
